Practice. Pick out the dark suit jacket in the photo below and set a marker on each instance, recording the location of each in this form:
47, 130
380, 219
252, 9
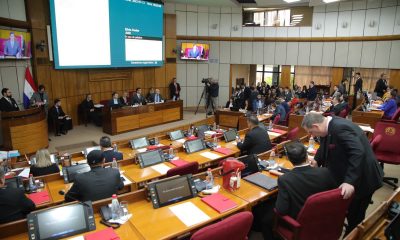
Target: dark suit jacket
6, 106
173, 89
36, 171
14, 205
312, 94
358, 86
110, 154
137, 100
122, 101
256, 141
153, 96
380, 87
347, 153
99, 183
297, 185
112, 105
54, 114
336, 109
87, 105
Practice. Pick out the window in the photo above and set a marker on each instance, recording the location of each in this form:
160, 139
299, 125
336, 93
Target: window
268, 73
275, 18
270, 17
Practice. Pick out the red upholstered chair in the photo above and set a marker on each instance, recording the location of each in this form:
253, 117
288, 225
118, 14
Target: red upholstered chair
276, 119
104, 102
292, 134
344, 113
387, 150
190, 168
286, 121
235, 227
394, 118
322, 217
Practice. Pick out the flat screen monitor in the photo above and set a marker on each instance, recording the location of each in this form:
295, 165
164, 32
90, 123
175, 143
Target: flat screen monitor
70, 172
172, 190
176, 135
61, 222
392, 231
195, 51
201, 130
139, 143
150, 158
251, 164
15, 44
14, 182
230, 135
195, 145
89, 149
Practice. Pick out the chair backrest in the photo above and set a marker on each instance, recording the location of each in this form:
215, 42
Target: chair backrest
323, 214
189, 168
396, 115
343, 113
104, 102
276, 119
292, 134
390, 132
376, 141
235, 227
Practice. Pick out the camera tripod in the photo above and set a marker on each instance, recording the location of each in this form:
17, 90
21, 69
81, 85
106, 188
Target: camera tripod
207, 98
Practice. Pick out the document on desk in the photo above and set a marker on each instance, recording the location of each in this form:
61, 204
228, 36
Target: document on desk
161, 168
189, 214
366, 128
210, 155
274, 134
140, 150
25, 173
126, 180
181, 140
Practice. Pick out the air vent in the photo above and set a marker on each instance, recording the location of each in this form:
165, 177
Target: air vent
246, 1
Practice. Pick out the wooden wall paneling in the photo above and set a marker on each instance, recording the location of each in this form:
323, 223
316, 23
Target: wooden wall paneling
337, 77
70, 82
43, 77
170, 72
170, 25
38, 12
149, 78
82, 82
106, 86
395, 78
96, 97
129, 84
94, 87
71, 107
159, 75
39, 35
285, 77
139, 78
170, 48
58, 86
117, 85
107, 95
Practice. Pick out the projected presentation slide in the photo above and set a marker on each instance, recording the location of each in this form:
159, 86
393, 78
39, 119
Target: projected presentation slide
107, 33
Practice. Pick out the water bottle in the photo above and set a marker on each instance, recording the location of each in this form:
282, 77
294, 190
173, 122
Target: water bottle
156, 142
114, 163
272, 155
258, 111
115, 147
32, 185
307, 109
114, 207
171, 151
215, 126
189, 132
311, 143
210, 179
270, 125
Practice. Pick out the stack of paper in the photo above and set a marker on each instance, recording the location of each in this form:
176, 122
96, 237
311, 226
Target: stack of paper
210, 155
161, 168
189, 214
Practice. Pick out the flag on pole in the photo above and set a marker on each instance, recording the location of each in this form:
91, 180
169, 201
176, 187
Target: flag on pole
29, 88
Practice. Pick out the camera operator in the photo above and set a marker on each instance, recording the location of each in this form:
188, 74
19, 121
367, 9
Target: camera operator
212, 95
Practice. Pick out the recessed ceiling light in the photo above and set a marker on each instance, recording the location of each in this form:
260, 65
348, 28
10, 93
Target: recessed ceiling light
291, 1
330, 1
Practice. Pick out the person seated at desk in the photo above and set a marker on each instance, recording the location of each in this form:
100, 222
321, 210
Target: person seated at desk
108, 152
287, 94
230, 103
294, 189
151, 92
390, 106
336, 91
61, 121
98, 183
14, 205
258, 103
336, 107
7, 102
115, 102
156, 97
256, 139
124, 100
87, 107
43, 165
137, 98
279, 110
386, 96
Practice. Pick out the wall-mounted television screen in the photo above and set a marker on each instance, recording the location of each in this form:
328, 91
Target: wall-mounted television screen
195, 51
107, 33
15, 44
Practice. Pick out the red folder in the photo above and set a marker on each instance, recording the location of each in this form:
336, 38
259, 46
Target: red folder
219, 202
278, 130
179, 162
106, 234
192, 138
39, 197
225, 151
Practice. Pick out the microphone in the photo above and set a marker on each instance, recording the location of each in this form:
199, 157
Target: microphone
62, 192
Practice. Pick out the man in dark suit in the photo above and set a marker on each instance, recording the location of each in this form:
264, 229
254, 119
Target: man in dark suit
336, 107
87, 108
174, 90
357, 88
294, 189
346, 152
124, 99
381, 86
156, 97
256, 140
138, 98
62, 122
7, 102
108, 152
115, 102
98, 183
312, 92
14, 204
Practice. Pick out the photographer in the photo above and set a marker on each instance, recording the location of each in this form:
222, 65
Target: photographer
212, 95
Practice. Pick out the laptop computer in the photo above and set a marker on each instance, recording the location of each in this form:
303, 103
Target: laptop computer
262, 181
230, 135
251, 163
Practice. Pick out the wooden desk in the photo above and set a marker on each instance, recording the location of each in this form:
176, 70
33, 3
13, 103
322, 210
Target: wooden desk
227, 118
25, 130
262, 118
370, 118
126, 119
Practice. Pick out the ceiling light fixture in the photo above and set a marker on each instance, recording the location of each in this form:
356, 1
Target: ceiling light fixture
291, 1
330, 1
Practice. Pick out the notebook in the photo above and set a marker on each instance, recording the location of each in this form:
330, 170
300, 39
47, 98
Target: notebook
262, 181
225, 151
39, 197
276, 130
219, 202
106, 234
179, 162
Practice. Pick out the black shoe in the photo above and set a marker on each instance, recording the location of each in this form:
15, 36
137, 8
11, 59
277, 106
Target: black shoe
57, 135
49, 140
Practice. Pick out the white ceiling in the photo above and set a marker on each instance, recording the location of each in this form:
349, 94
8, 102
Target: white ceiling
260, 3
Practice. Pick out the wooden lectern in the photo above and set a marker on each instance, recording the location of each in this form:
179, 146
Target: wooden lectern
25, 130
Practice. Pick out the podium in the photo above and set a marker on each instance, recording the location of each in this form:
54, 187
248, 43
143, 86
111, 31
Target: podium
25, 130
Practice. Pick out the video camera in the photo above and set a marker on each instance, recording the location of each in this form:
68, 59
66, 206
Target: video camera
206, 80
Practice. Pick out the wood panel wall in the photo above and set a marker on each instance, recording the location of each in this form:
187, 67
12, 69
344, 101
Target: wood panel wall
285, 77
71, 86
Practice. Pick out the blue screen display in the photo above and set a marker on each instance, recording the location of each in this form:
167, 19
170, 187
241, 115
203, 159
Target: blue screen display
107, 33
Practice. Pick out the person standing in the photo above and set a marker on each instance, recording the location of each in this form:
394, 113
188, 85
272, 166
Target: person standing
357, 88
312, 92
7, 102
174, 90
40, 98
381, 86
212, 96
346, 152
